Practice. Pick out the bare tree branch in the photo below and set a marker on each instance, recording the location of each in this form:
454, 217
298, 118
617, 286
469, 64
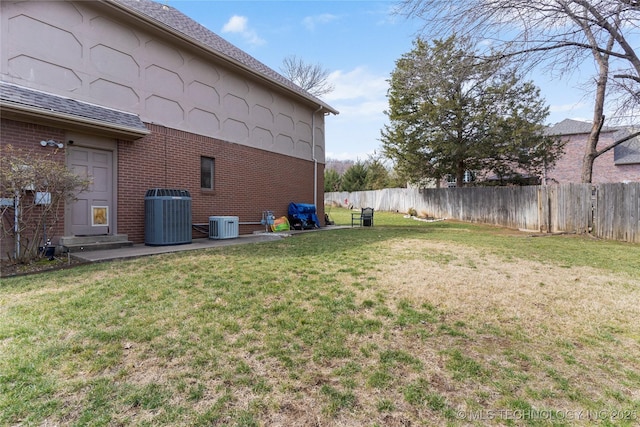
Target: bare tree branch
617, 142
310, 77
534, 28
559, 33
627, 76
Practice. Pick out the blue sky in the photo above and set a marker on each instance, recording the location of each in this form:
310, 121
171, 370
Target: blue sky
358, 41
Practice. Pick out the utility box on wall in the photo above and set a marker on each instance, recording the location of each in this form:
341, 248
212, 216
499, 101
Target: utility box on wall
167, 217
223, 227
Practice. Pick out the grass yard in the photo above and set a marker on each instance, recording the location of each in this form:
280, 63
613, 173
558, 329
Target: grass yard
404, 323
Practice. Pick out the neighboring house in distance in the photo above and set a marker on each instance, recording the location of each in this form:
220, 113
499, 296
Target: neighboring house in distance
144, 97
621, 164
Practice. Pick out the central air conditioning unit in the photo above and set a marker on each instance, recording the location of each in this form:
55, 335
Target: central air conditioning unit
223, 227
167, 217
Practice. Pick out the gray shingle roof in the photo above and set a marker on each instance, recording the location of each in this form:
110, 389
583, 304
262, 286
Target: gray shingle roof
629, 151
29, 98
19, 95
572, 127
626, 153
177, 21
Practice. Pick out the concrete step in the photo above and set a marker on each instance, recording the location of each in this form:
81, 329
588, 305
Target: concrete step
93, 243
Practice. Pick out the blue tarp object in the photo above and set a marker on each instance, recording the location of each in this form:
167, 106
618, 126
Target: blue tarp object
304, 215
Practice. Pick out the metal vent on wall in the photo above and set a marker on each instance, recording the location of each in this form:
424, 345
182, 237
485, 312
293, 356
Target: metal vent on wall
223, 227
167, 217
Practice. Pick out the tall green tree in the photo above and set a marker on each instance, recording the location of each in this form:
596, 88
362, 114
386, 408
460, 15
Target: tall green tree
562, 34
332, 180
378, 175
355, 178
450, 112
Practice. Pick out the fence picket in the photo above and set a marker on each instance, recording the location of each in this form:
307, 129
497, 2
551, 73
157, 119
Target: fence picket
609, 211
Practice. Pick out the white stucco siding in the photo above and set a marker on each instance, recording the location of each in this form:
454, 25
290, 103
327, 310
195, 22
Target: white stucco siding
87, 51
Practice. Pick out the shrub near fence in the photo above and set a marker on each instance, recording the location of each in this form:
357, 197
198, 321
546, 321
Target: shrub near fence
610, 211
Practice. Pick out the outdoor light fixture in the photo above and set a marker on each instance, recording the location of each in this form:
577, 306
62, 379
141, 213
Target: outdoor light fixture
52, 143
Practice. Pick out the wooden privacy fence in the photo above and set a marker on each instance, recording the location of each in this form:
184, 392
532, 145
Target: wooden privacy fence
610, 211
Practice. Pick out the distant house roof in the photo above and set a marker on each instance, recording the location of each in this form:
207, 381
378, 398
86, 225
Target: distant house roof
626, 153
175, 20
19, 99
572, 127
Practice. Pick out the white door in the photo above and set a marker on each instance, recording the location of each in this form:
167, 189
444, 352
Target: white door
91, 214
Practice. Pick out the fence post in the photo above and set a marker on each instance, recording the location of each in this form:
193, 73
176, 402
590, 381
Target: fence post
591, 227
609, 211
543, 205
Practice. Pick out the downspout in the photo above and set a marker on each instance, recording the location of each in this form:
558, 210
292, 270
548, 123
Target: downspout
313, 156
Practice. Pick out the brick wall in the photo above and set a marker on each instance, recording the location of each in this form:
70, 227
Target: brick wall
248, 181
26, 137
568, 169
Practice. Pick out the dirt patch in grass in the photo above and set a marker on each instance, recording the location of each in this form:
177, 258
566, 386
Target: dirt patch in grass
10, 268
550, 336
543, 300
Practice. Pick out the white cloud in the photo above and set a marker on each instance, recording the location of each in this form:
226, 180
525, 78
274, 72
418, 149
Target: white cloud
310, 22
361, 97
358, 83
240, 25
386, 14
365, 108
579, 110
236, 24
566, 107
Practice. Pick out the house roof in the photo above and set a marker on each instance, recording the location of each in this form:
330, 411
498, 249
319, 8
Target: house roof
169, 18
572, 127
627, 152
21, 100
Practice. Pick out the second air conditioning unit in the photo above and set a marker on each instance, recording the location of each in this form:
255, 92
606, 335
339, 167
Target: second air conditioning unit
223, 227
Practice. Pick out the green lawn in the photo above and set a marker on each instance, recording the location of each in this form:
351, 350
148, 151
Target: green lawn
437, 323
